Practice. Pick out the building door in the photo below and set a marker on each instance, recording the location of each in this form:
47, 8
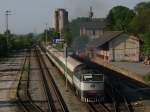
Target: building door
113, 54
118, 54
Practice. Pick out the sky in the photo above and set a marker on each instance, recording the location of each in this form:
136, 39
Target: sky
33, 15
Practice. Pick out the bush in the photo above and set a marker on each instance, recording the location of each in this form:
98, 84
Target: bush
147, 77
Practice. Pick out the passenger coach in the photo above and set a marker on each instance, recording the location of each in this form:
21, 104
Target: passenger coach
88, 82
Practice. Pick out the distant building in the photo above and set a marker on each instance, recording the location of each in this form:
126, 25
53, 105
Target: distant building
56, 21
60, 20
107, 45
93, 28
114, 46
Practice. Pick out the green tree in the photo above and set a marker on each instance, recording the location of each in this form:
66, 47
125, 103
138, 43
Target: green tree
119, 18
14, 42
3, 46
80, 42
139, 8
140, 25
141, 22
75, 25
146, 46
68, 36
22, 41
51, 34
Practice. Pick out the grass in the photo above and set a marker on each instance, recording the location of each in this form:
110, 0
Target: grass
58, 46
147, 77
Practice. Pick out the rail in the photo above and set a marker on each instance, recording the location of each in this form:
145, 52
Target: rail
97, 107
120, 99
23, 95
55, 100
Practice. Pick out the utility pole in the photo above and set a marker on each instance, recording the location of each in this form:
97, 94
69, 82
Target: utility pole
65, 53
46, 35
7, 13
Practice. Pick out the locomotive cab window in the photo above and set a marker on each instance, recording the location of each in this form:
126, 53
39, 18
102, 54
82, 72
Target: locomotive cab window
87, 77
93, 77
98, 77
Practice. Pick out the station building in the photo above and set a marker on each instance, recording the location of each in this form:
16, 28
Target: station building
93, 28
114, 46
107, 45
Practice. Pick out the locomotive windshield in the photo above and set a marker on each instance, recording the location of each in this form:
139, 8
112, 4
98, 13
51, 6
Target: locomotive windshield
93, 77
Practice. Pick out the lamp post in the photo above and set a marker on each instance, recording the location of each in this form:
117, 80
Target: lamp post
7, 13
65, 54
46, 34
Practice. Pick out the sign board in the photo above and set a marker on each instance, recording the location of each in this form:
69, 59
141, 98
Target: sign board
55, 41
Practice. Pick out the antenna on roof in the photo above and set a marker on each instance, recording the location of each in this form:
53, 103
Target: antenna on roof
91, 14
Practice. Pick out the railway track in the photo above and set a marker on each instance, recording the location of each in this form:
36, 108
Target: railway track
139, 87
119, 99
122, 103
23, 95
97, 107
9, 66
55, 100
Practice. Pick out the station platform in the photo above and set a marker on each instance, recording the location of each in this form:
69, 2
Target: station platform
139, 68
136, 71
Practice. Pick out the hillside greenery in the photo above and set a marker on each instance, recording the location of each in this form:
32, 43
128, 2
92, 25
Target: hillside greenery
120, 17
14, 42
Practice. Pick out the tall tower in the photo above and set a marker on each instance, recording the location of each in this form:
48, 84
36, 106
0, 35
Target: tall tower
56, 21
63, 19
60, 20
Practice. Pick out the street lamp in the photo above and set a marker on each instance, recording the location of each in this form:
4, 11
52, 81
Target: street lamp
65, 54
46, 35
7, 13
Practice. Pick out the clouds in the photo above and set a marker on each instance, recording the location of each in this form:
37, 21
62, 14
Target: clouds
29, 15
